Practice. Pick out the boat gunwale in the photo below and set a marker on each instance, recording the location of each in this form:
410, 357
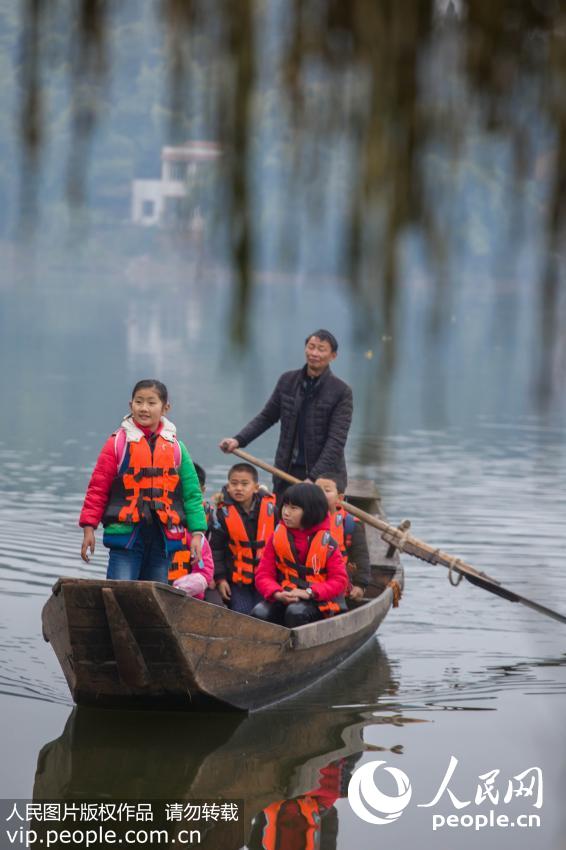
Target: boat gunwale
307, 636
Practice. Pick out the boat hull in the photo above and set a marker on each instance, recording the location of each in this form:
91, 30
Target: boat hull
179, 651
144, 644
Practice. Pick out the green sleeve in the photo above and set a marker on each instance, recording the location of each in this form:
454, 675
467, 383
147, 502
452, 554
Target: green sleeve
192, 496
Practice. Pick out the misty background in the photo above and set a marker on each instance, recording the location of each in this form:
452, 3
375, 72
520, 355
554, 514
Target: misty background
402, 165
187, 189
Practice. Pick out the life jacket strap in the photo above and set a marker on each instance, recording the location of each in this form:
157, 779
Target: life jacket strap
242, 578
252, 561
248, 544
148, 472
151, 492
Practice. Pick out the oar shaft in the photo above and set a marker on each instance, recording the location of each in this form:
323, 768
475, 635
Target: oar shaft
417, 548
402, 541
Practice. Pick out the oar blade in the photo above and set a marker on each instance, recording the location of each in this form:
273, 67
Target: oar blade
511, 596
542, 609
492, 587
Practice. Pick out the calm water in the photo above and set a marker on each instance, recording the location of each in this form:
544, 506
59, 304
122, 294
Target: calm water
454, 672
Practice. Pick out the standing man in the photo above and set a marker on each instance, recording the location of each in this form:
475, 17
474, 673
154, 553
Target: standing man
315, 409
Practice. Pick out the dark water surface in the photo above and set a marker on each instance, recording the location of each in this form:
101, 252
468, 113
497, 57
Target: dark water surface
454, 672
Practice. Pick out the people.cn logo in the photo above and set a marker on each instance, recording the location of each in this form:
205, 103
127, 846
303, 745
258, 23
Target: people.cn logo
371, 804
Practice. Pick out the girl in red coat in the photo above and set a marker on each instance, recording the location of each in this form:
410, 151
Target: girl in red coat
145, 491
301, 575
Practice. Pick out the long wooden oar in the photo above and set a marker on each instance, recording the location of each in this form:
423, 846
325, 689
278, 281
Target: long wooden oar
402, 540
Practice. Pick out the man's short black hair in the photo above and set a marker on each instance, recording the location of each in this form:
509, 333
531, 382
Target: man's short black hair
311, 499
325, 336
244, 467
201, 474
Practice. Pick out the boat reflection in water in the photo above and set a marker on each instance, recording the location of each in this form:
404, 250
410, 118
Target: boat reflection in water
288, 764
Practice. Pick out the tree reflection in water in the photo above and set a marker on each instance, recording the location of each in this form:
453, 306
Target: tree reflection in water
369, 113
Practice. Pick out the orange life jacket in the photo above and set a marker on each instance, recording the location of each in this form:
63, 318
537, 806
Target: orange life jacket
150, 484
181, 559
245, 552
292, 574
308, 819
180, 563
342, 529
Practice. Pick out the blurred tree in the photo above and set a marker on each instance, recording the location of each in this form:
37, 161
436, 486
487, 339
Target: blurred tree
399, 89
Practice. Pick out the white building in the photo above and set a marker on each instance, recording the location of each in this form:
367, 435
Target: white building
163, 201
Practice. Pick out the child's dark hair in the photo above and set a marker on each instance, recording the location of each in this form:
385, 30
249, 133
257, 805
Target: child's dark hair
201, 474
244, 467
325, 336
151, 384
333, 476
311, 499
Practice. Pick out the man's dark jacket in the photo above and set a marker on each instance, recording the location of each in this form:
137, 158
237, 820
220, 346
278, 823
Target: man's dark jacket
327, 421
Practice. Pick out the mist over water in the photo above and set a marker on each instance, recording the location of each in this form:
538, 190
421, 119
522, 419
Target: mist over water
449, 421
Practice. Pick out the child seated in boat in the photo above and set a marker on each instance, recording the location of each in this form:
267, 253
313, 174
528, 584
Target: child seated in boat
207, 505
349, 533
245, 519
196, 578
145, 490
301, 576
190, 575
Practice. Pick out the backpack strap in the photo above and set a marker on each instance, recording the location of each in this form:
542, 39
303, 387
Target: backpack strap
349, 523
120, 446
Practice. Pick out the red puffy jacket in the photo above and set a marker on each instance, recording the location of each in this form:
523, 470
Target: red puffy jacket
337, 577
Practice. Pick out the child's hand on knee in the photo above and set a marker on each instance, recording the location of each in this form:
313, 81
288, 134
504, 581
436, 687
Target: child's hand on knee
224, 589
286, 596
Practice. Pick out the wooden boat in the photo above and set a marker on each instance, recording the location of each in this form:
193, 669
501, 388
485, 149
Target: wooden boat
145, 644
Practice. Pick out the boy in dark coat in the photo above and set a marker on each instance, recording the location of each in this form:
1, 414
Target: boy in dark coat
245, 518
350, 534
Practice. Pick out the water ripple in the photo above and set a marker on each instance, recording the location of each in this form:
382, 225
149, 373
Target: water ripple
498, 500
